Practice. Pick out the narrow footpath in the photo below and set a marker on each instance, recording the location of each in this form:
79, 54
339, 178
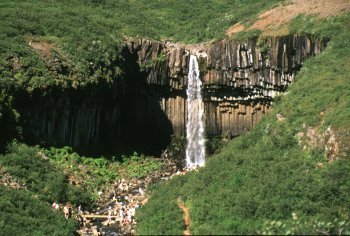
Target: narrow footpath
187, 217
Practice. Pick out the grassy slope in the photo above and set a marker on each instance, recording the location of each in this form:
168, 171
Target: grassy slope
261, 179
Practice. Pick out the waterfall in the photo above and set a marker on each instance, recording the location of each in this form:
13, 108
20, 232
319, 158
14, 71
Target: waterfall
195, 150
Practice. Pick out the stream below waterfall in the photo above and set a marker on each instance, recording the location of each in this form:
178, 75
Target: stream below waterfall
129, 194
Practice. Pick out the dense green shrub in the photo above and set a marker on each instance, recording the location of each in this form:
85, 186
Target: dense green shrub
96, 173
8, 120
29, 165
176, 150
23, 214
245, 34
214, 145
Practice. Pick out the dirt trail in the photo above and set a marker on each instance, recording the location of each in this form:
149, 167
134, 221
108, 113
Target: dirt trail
274, 21
42, 48
187, 217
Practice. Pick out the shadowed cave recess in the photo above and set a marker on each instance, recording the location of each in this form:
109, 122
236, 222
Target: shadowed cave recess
148, 105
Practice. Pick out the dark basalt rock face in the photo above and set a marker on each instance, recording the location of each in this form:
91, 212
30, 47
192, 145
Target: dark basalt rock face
239, 83
239, 79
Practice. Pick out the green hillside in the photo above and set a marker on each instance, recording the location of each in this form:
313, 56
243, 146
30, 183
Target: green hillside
275, 179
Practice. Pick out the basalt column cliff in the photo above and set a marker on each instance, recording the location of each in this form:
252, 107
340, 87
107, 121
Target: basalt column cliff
240, 79
149, 105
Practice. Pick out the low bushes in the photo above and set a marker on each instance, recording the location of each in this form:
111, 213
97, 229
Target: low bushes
21, 213
49, 183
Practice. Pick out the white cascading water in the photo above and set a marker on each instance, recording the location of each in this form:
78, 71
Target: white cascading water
195, 150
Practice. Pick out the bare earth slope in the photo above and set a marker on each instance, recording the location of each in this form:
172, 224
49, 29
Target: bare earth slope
274, 21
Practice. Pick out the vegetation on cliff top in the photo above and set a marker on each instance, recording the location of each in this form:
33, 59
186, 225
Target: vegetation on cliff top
74, 43
274, 179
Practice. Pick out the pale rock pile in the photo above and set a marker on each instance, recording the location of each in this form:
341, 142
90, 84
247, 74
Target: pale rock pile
119, 203
7, 180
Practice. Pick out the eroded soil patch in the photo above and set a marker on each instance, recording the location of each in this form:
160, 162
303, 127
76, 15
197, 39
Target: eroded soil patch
187, 217
274, 21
